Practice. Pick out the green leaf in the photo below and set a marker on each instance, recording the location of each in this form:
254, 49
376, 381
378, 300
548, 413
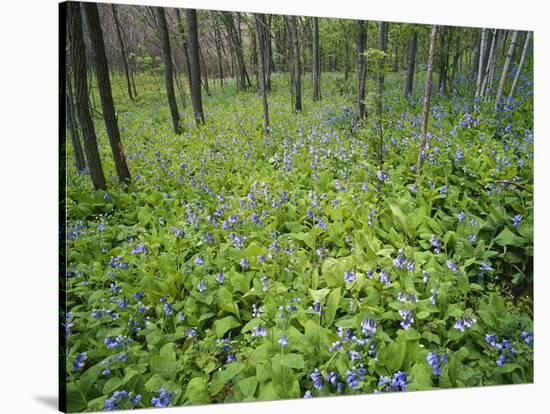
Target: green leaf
220, 378
164, 366
111, 385
333, 301
221, 326
144, 216
422, 314
197, 392
295, 361
507, 238
248, 386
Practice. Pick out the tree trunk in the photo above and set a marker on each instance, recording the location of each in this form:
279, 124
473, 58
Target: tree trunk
475, 61
217, 41
520, 67
122, 50
168, 73
504, 74
315, 59
204, 79
184, 44
296, 68
105, 93
489, 70
411, 58
480, 67
426, 103
360, 40
442, 60
80, 162
237, 47
78, 54
259, 21
382, 45
194, 65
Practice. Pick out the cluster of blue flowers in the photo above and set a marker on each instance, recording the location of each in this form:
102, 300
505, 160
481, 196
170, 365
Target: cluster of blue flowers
120, 400
435, 362
397, 382
78, 363
355, 376
163, 399
466, 322
117, 342
401, 261
407, 318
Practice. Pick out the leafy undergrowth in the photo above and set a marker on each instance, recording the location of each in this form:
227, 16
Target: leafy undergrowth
236, 267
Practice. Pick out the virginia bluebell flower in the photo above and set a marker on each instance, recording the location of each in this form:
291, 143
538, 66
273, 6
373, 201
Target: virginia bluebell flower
355, 376
259, 331
78, 363
317, 379
164, 398
407, 316
368, 326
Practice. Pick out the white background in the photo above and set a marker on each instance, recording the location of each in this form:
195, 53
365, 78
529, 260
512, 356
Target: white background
28, 202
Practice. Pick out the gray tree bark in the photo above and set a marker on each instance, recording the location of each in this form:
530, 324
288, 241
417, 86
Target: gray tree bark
521, 63
480, 63
504, 73
315, 61
259, 21
360, 41
78, 54
426, 103
105, 92
296, 65
80, 162
168, 72
122, 50
411, 58
194, 64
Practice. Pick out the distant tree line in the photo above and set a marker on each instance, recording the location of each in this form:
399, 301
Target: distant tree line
196, 47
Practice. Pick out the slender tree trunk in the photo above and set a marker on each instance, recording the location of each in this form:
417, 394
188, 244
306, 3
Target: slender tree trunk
360, 40
520, 67
475, 61
259, 21
480, 67
382, 45
270, 64
426, 103
296, 66
217, 42
168, 72
80, 162
122, 50
204, 79
105, 93
411, 58
237, 47
78, 54
315, 61
489, 71
184, 44
442, 57
504, 74
194, 72
346, 52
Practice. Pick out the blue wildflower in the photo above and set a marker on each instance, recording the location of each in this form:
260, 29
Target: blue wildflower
78, 363
317, 379
164, 398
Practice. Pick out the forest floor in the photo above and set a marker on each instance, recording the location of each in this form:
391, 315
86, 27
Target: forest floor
238, 267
